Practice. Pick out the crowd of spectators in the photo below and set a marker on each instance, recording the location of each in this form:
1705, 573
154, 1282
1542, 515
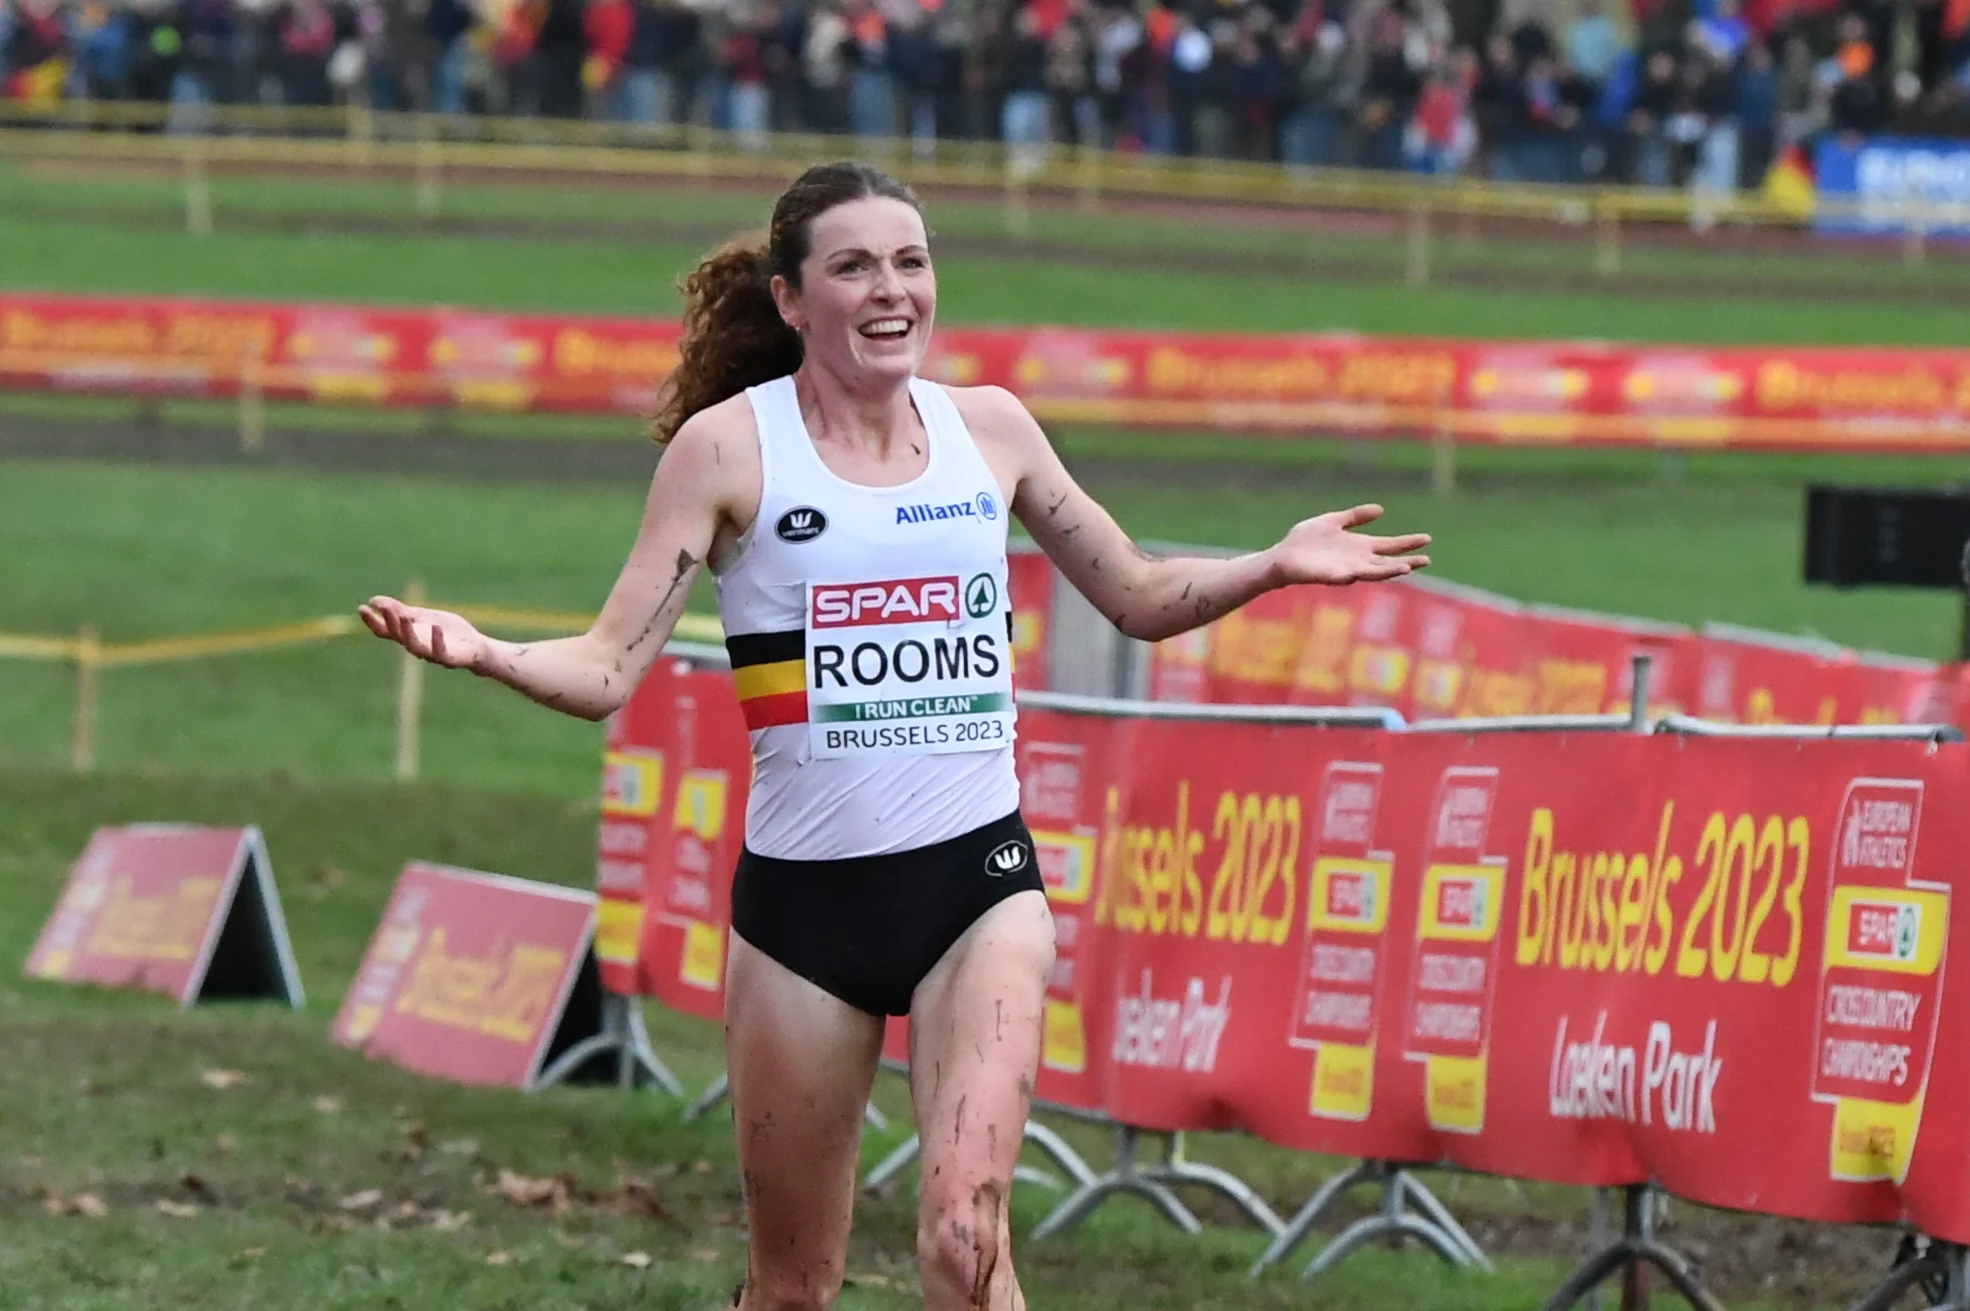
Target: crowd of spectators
1673, 92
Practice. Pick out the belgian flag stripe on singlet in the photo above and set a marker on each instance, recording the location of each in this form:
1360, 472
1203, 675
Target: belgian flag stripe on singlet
769, 672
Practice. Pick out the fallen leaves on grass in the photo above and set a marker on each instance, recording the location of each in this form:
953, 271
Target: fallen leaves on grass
556, 1193
562, 1193
704, 1255
83, 1204
636, 1260
361, 1201
176, 1210
640, 1199
328, 1105
221, 1079
499, 1258
416, 1137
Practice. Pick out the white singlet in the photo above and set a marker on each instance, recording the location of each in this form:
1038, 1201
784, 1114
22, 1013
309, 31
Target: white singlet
869, 630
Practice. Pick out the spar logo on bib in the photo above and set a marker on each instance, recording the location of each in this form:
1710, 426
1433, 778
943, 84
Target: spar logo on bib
901, 601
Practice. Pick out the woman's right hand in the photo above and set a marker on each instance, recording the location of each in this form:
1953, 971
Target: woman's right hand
438, 636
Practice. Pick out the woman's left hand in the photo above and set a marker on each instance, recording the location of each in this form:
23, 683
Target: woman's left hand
1325, 549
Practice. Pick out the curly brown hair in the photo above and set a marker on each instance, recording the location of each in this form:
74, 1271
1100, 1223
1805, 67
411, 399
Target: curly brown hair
734, 337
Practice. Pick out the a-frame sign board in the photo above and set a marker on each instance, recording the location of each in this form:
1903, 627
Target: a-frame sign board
180, 909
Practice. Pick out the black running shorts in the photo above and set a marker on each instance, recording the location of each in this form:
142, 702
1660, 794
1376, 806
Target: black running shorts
869, 928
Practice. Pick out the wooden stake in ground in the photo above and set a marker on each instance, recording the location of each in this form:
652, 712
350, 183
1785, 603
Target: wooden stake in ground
410, 698
88, 677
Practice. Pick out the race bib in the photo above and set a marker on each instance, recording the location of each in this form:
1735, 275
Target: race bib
909, 666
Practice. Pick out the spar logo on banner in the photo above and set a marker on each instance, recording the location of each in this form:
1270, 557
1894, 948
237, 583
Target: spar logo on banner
1346, 942
1050, 793
1881, 982
1455, 970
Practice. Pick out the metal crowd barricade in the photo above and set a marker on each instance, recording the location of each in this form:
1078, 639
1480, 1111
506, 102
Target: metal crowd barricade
1128, 1175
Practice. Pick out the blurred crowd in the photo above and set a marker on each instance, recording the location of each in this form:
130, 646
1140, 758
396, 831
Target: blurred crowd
1702, 93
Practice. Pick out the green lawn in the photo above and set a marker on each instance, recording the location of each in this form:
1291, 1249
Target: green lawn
160, 551
619, 249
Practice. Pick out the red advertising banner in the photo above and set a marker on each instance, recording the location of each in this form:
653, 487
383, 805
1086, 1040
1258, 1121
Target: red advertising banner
1482, 391
179, 909
470, 976
1029, 581
1721, 964
676, 776
1431, 650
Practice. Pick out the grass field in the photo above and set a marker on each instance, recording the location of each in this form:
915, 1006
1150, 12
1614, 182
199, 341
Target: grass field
144, 552
251, 1194
620, 250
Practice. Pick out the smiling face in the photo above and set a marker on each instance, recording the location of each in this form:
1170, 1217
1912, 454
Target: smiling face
867, 294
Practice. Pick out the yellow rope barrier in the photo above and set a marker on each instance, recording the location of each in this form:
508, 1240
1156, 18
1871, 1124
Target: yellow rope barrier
16, 646
337, 140
215, 644
196, 646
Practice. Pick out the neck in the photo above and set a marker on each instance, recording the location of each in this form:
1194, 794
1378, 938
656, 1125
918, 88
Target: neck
878, 422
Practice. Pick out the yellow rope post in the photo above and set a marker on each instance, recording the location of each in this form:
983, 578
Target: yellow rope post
1089, 178
252, 402
1607, 245
198, 190
1018, 218
430, 173
410, 698
1443, 466
88, 671
1915, 235
1419, 246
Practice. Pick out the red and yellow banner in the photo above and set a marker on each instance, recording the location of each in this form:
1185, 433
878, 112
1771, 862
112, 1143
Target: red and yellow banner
1581, 958
677, 772
1482, 391
145, 907
1438, 651
468, 975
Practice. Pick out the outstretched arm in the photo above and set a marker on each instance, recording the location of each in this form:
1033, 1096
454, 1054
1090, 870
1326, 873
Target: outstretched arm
591, 675
1151, 598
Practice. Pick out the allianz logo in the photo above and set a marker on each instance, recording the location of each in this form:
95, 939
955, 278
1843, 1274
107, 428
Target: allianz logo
982, 506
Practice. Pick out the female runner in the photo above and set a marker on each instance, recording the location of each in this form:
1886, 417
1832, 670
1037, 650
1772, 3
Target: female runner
854, 518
